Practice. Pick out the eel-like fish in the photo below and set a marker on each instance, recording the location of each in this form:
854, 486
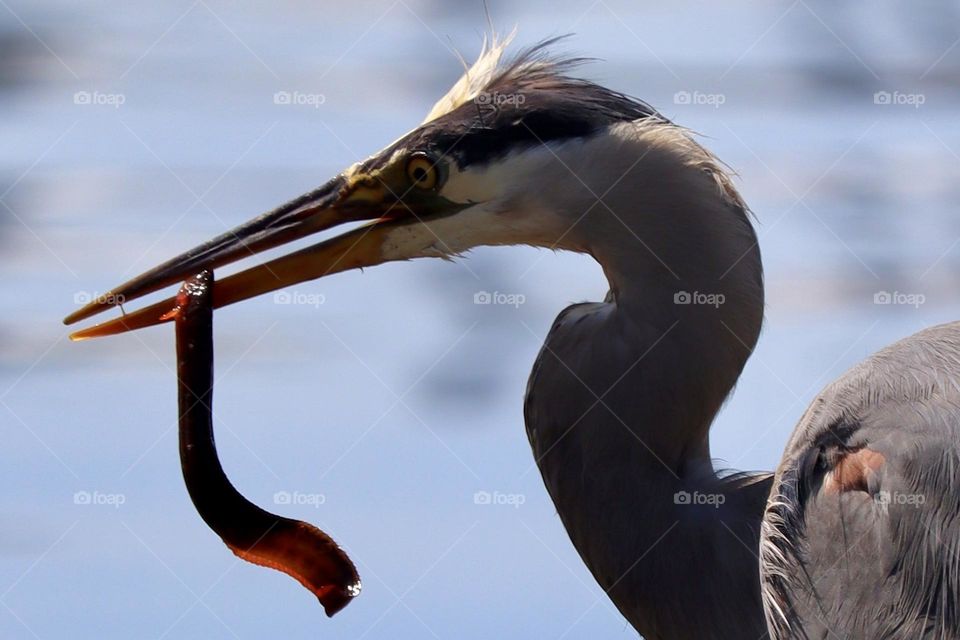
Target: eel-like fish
296, 548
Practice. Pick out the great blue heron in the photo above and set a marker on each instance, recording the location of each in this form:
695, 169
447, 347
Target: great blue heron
855, 536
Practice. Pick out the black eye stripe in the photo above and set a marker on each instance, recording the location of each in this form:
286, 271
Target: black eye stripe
524, 106
563, 109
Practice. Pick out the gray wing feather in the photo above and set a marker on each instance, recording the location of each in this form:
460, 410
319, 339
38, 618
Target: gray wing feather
880, 560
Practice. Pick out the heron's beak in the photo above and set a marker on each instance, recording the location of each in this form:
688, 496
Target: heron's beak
346, 198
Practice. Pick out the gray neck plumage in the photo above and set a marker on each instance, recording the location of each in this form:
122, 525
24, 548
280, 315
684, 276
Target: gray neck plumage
621, 399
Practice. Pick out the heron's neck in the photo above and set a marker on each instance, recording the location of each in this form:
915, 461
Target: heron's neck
681, 257
696, 304
622, 397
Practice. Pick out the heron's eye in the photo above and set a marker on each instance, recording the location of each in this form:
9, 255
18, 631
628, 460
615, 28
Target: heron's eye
423, 171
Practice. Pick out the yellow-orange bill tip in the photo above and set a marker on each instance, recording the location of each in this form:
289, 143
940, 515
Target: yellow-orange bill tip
163, 311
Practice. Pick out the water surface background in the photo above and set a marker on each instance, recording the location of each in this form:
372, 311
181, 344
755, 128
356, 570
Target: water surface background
381, 403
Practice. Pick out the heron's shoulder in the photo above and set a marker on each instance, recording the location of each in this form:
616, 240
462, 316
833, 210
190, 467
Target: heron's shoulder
922, 368
903, 402
876, 461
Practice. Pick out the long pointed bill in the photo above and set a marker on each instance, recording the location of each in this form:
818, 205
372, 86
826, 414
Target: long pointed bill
334, 203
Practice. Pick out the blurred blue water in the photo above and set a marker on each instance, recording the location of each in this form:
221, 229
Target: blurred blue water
307, 399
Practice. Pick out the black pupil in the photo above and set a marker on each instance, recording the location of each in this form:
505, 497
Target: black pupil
420, 174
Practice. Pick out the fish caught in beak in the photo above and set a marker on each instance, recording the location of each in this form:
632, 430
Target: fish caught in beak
400, 194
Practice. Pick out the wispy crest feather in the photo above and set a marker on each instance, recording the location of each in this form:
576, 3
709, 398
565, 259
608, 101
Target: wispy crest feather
475, 77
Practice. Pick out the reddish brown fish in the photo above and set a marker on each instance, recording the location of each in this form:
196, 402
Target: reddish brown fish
296, 548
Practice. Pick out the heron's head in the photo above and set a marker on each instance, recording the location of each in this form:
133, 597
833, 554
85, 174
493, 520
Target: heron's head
496, 161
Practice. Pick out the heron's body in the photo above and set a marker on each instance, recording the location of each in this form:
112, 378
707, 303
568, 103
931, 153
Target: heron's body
881, 558
622, 396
